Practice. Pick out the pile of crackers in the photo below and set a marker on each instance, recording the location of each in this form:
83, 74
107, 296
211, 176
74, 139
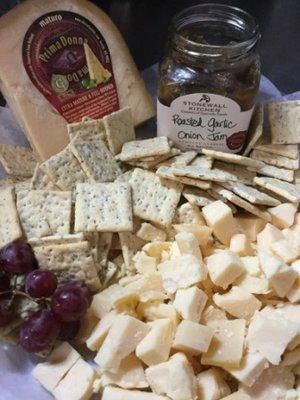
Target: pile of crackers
88, 209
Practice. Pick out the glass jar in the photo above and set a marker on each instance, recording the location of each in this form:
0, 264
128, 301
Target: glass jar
209, 78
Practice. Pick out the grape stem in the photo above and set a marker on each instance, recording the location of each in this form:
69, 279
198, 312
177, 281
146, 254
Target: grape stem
16, 292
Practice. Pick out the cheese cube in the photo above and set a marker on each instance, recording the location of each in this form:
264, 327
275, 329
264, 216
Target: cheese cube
251, 225
192, 338
294, 294
253, 284
77, 384
182, 272
252, 366
152, 310
112, 393
226, 349
144, 264
190, 303
267, 236
283, 216
238, 302
269, 334
154, 249
201, 232
174, 378
189, 214
212, 314
101, 330
123, 337
150, 233
188, 244
284, 250
211, 385
240, 244
156, 345
59, 362
224, 268
296, 267
220, 218
130, 374
251, 264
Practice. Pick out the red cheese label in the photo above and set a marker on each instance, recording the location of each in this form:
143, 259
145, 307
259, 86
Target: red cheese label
55, 57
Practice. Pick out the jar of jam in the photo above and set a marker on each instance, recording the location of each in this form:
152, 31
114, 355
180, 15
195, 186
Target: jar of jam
209, 78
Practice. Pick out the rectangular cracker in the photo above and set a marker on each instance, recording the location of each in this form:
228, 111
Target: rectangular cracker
232, 158
184, 158
251, 194
17, 160
103, 207
197, 197
144, 148
238, 201
255, 130
166, 173
41, 180
154, 199
88, 129
283, 189
96, 160
103, 247
69, 261
285, 150
58, 239
278, 173
44, 212
22, 185
284, 120
242, 174
203, 162
64, 169
10, 229
119, 128
275, 160
203, 174
146, 163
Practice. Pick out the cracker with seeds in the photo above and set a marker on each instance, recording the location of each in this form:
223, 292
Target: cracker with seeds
166, 173
197, 197
203, 173
10, 229
233, 158
103, 207
88, 129
22, 185
251, 194
275, 160
188, 214
148, 164
297, 178
119, 128
41, 180
130, 244
96, 160
103, 247
203, 162
184, 158
144, 148
242, 174
6, 182
58, 239
69, 261
283, 189
154, 199
17, 161
284, 120
238, 201
275, 172
285, 150
64, 170
125, 177
255, 130
44, 212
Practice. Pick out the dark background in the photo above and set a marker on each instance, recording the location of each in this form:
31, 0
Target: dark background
144, 25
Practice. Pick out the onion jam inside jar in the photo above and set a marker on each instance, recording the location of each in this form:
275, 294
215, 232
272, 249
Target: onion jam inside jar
209, 78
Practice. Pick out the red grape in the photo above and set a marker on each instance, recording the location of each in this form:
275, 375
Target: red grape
69, 303
17, 258
4, 282
39, 331
82, 287
41, 283
69, 330
6, 313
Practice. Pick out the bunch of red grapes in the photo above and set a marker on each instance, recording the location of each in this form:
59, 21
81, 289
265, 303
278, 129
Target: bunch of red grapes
61, 307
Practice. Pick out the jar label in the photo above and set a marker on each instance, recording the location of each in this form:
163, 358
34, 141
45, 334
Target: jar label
204, 120
69, 62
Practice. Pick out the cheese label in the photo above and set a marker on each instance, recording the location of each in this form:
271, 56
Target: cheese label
69, 62
204, 120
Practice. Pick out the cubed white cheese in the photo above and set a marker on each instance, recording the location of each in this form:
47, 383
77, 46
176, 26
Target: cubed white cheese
251, 264
224, 268
201, 232
267, 236
154, 249
283, 216
212, 314
100, 331
192, 338
156, 345
240, 244
253, 284
238, 302
294, 294
251, 225
190, 303
188, 244
152, 310
220, 218
144, 264
226, 349
211, 385
112, 393
284, 250
123, 337
150, 233
189, 214
174, 378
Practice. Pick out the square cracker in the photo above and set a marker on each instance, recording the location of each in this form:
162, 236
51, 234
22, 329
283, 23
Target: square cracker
283, 189
255, 130
275, 160
41, 180
17, 160
10, 229
154, 199
144, 148
184, 158
166, 173
202, 162
285, 150
284, 119
275, 172
96, 160
64, 170
197, 197
242, 174
203, 173
58, 239
103, 207
44, 212
119, 128
69, 261
88, 129
142, 163
233, 158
